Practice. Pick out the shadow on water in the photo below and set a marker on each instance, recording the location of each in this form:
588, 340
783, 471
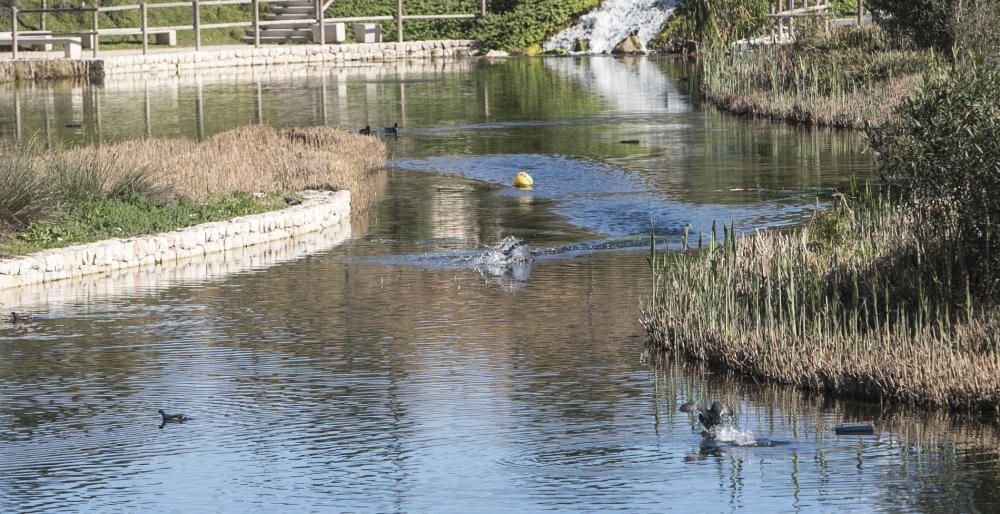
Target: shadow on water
411, 369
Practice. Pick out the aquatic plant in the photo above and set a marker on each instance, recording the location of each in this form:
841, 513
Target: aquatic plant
23, 190
875, 316
855, 77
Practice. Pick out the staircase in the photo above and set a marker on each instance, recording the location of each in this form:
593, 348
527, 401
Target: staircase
289, 10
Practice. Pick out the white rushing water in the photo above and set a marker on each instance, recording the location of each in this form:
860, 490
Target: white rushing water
605, 26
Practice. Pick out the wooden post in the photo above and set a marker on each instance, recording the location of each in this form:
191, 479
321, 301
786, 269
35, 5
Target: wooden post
45, 5
791, 20
196, 16
771, 21
861, 9
94, 30
482, 7
145, 28
13, 33
321, 18
399, 21
256, 23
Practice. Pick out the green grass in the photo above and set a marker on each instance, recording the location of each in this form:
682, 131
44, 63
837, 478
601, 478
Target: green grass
71, 22
97, 219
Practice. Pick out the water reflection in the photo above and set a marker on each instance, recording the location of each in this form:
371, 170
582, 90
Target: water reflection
380, 375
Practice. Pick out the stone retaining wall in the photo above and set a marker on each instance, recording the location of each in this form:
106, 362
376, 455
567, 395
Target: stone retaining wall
276, 55
114, 63
318, 211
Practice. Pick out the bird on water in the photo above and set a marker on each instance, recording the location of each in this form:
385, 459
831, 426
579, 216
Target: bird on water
18, 318
173, 418
393, 130
710, 417
367, 131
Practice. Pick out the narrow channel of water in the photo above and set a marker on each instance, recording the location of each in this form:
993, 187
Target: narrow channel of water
395, 372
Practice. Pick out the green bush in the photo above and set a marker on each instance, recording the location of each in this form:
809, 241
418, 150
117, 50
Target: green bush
926, 22
528, 23
413, 30
943, 154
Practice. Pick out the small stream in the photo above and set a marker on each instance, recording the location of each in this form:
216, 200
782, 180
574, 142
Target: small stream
423, 365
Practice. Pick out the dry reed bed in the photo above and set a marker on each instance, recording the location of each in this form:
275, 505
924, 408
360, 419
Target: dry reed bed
843, 88
864, 318
255, 158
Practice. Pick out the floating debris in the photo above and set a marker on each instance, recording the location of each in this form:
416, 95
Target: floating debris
854, 429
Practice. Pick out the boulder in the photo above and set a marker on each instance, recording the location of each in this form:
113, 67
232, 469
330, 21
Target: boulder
582, 45
631, 45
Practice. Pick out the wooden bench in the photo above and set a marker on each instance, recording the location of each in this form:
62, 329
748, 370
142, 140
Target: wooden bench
161, 36
72, 46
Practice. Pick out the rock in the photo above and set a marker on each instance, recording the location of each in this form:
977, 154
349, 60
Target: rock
497, 53
582, 45
631, 45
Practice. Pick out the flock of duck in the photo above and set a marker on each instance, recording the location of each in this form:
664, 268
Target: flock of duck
387, 131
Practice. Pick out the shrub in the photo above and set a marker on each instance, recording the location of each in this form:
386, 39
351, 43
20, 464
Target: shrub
926, 22
528, 23
943, 154
413, 30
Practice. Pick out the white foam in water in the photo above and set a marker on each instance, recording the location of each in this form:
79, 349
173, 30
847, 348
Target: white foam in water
735, 436
510, 258
610, 23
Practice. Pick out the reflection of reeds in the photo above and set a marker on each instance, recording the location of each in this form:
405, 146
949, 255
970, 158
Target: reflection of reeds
799, 412
876, 314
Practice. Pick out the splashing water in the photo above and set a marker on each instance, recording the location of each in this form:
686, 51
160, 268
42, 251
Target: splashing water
510, 258
605, 26
735, 436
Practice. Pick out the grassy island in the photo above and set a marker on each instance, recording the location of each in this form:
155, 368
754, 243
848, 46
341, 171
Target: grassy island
51, 199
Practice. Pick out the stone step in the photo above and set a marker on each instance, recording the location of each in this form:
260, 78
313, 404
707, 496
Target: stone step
272, 17
293, 10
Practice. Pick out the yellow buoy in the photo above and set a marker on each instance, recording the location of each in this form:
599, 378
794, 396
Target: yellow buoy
523, 180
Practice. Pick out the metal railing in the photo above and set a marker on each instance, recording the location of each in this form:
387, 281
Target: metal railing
94, 32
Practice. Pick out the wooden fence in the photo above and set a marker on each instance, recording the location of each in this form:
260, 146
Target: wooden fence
783, 13
94, 31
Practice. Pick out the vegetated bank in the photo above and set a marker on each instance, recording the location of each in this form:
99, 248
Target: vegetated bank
890, 295
51, 199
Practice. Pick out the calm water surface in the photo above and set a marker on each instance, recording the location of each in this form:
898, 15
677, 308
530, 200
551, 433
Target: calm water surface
400, 372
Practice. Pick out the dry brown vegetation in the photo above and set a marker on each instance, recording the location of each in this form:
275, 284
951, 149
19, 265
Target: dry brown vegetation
853, 78
253, 158
872, 315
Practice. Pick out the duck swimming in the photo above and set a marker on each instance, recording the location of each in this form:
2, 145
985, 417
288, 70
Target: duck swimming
711, 417
173, 418
367, 131
18, 318
393, 130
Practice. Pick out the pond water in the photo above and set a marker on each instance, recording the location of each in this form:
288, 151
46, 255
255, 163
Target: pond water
405, 370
